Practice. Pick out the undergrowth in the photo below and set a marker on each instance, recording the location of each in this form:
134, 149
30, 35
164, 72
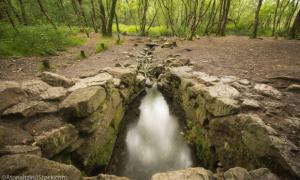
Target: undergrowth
41, 40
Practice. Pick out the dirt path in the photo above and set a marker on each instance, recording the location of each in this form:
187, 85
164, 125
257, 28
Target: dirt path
240, 56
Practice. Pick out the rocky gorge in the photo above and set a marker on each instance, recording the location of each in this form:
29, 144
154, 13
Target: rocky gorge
239, 129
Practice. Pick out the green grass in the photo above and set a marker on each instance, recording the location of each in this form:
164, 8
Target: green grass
154, 31
105, 42
41, 40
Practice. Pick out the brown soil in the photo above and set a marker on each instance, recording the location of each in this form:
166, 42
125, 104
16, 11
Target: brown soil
240, 56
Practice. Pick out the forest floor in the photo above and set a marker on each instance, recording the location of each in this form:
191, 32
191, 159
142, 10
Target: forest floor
256, 59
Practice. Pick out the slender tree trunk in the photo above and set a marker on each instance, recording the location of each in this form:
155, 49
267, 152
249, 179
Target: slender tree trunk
3, 7
200, 15
275, 17
256, 21
44, 11
144, 18
103, 18
93, 15
23, 12
111, 17
118, 29
64, 13
291, 15
81, 10
296, 26
224, 17
13, 9
211, 15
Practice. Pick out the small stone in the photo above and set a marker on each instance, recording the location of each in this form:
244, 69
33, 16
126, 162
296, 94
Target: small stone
56, 80
244, 81
250, 103
268, 90
294, 88
228, 79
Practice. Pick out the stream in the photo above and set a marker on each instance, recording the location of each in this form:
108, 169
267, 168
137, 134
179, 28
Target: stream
153, 143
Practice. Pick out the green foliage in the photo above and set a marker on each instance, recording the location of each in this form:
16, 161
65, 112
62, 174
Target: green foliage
106, 42
134, 30
36, 40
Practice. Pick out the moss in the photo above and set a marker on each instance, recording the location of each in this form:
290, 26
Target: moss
118, 117
202, 146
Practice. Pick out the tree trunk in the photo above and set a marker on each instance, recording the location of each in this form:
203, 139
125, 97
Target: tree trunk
23, 12
46, 14
13, 9
200, 15
64, 13
3, 7
103, 18
93, 15
81, 10
111, 17
275, 17
144, 18
296, 26
256, 21
224, 10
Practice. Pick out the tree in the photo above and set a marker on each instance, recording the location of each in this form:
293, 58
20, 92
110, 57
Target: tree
296, 26
44, 11
256, 21
106, 26
223, 17
144, 17
23, 12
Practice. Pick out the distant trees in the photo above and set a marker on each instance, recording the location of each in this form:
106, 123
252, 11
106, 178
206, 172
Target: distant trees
296, 26
185, 18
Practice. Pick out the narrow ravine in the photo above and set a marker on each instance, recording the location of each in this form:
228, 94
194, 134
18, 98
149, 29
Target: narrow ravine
154, 143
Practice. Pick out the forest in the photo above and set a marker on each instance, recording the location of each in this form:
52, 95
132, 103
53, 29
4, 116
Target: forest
37, 27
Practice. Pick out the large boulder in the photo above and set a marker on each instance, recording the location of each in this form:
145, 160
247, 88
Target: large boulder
53, 142
247, 141
83, 102
98, 80
34, 87
10, 94
31, 108
263, 174
56, 80
187, 174
97, 148
12, 134
32, 165
237, 173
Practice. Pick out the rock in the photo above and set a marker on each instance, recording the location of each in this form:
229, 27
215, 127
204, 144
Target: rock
74, 146
20, 149
126, 75
31, 108
151, 45
268, 90
54, 93
244, 81
181, 71
222, 106
169, 45
223, 91
42, 124
54, 141
110, 177
187, 174
97, 148
56, 80
83, 102
90, 123
98, 80
250, 104
247, 140
263, 174
228, 79
10, 94
34, 87
14, 135
205, 78
32, 165
237, 173
294, 88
